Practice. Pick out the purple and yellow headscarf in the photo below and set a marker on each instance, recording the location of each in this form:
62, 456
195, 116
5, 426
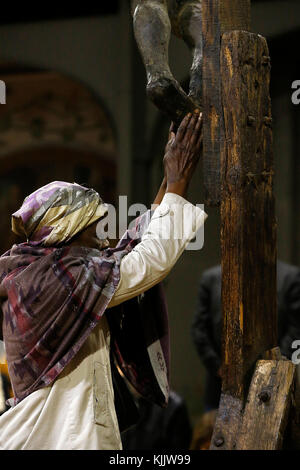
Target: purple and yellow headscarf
55, 213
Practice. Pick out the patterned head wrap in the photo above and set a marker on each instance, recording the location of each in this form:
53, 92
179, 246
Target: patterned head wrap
56, 212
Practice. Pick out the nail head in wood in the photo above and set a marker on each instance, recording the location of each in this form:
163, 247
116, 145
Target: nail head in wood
264, 396
219, 441
267, 120
266, 60
251, 120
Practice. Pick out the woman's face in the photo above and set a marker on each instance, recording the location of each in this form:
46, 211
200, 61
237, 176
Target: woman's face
90, 238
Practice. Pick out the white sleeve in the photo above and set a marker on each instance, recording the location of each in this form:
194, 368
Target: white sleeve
173, 225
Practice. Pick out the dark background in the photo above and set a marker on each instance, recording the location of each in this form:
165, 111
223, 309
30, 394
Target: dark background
50, 11
77, 109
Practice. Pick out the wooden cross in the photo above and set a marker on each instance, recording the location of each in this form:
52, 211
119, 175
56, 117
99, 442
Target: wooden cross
257, 383
239, 170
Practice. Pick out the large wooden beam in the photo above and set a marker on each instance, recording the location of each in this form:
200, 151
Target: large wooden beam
248, 224
218, 16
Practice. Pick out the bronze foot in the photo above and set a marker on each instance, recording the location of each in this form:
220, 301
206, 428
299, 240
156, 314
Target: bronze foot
170, 98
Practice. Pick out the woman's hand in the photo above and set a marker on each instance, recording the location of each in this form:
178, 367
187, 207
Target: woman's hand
182, 153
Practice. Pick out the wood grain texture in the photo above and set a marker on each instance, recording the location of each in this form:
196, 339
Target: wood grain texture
235, 14
273, 354
248, 224
218, 16
227, 424
267, 409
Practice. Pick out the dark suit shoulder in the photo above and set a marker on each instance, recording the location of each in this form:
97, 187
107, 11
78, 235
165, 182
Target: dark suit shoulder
285, 268
212, 273
286, 274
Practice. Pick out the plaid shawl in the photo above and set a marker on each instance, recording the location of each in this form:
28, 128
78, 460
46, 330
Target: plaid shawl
56, 297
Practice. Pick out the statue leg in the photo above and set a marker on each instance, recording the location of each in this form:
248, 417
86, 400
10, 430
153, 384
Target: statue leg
152, 29
186, 18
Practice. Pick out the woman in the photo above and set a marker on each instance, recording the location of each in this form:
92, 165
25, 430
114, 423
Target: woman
67, 314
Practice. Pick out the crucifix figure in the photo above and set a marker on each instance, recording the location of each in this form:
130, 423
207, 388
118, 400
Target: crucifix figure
154, 20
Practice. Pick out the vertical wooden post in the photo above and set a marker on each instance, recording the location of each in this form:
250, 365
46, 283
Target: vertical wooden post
218, 16
248, 226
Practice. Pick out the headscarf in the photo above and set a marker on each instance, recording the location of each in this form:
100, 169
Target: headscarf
55, 213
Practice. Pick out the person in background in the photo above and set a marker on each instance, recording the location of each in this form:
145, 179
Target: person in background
160, 428
207, 323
